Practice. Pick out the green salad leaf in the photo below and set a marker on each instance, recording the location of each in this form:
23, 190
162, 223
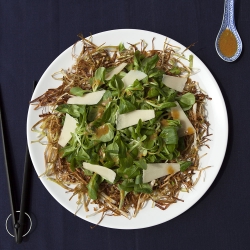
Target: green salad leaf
129, 150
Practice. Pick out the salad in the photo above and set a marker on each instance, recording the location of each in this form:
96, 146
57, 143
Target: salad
124, 127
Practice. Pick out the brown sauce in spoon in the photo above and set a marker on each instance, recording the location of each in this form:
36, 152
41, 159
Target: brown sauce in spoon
227, 43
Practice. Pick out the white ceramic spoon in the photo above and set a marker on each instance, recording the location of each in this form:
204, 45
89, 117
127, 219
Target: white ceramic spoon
229, 23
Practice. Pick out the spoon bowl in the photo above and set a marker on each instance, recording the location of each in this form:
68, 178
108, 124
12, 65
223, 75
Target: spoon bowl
228, 23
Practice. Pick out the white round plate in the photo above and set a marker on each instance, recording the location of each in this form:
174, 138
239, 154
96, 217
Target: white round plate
217, 116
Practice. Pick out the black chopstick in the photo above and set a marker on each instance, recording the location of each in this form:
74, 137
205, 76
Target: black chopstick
27, 166
18, 226
26, 171
10, 187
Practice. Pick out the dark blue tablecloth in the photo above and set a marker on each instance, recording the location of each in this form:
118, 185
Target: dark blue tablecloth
34, 33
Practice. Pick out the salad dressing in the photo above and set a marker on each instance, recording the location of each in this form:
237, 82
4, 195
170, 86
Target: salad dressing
190, 131
103, 130
164, 123
100, 111
153, 136
175, 114
227, 43
170, 170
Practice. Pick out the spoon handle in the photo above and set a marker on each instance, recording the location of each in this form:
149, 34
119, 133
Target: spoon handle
229, 13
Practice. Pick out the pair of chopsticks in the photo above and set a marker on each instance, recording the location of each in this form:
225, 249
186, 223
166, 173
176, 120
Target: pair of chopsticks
18, 224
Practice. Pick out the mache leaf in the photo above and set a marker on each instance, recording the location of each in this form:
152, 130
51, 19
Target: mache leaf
126, 106
104, 133
143, 188
127, 185
71, 109
185, 165
116, 84
141, 163
169, 135
149, 63
98, 79
186, 101
77, 91
93, 186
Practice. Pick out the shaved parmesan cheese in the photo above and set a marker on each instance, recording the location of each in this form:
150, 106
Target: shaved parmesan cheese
115, 71
132, 118
158, 170
104, 172
69, 127
87, 99
173, 82
131, 76
186, 126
